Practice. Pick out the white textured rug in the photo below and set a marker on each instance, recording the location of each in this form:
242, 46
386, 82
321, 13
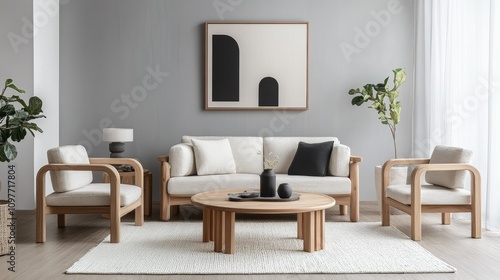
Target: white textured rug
261, 248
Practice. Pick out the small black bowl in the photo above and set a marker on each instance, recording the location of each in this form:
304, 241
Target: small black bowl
284, 190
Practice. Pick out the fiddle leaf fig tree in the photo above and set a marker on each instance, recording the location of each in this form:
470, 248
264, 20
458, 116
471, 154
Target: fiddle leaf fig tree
384, 100
16, 122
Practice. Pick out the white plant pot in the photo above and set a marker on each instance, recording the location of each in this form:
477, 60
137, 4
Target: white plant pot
398, 177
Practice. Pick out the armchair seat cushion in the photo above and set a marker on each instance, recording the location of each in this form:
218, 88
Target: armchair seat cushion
96, 194
430, 195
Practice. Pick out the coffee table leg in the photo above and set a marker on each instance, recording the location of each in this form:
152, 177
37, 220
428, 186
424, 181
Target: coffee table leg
300, 221
308, 231
212, 225
207, 224
230, 242
314, 231
219, 231
319, 230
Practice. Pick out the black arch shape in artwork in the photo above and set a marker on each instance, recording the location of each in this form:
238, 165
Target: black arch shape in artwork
268, 92
225, 68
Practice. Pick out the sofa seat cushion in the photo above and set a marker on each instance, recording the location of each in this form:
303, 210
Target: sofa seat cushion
430, 195
96, 194
190, 185
324, 185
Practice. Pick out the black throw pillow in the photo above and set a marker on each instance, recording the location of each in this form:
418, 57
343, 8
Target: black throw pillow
311, 159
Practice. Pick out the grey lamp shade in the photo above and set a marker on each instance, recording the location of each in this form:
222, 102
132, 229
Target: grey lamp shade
118, 135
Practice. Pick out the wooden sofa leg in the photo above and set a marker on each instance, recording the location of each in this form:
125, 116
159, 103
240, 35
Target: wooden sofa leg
174, 210
445, 218
165, 212
61, 220
354, 211
343, 209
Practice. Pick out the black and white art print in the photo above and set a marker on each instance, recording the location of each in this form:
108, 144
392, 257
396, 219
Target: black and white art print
256, 66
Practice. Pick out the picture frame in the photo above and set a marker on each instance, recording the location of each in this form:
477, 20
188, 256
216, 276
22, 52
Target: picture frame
256, 65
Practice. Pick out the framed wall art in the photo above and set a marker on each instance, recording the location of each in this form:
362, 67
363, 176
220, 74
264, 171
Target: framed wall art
256, 66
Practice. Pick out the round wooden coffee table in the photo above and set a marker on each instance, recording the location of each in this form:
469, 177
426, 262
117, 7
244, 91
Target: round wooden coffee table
219, 217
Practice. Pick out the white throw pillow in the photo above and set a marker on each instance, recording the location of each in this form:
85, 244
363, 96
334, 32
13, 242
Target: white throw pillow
213, 157
448, 179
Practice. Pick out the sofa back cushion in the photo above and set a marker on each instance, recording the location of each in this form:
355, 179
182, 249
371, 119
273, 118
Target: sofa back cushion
286, 147
247, 159
245, 151
63, 181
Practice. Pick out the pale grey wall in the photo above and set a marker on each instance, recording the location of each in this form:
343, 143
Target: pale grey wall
106, 47
16, 57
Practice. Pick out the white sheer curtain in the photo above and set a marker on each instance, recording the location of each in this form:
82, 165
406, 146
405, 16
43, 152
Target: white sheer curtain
457, 87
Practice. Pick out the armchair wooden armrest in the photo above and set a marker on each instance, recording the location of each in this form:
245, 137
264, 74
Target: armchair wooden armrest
41, 203
421, 169
386, 168
403, 161
138, 169
114, 178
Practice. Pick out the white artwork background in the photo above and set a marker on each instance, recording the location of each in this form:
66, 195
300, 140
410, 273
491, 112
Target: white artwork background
266, 50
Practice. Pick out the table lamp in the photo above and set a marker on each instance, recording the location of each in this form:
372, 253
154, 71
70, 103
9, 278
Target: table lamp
117, 138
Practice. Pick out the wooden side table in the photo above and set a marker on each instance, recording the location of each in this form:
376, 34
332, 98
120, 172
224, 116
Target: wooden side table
129, 178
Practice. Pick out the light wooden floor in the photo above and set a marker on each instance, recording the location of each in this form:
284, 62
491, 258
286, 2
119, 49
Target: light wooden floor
473, 258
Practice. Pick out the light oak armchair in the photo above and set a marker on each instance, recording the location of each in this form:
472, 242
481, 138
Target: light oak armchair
442, 191
74, 193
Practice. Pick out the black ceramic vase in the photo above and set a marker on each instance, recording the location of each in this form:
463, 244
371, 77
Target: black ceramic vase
268, 183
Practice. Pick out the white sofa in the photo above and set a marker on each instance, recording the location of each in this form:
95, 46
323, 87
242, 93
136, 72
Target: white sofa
179, 179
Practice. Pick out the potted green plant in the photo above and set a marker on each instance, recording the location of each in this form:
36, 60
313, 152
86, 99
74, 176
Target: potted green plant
384, 100
16, 122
